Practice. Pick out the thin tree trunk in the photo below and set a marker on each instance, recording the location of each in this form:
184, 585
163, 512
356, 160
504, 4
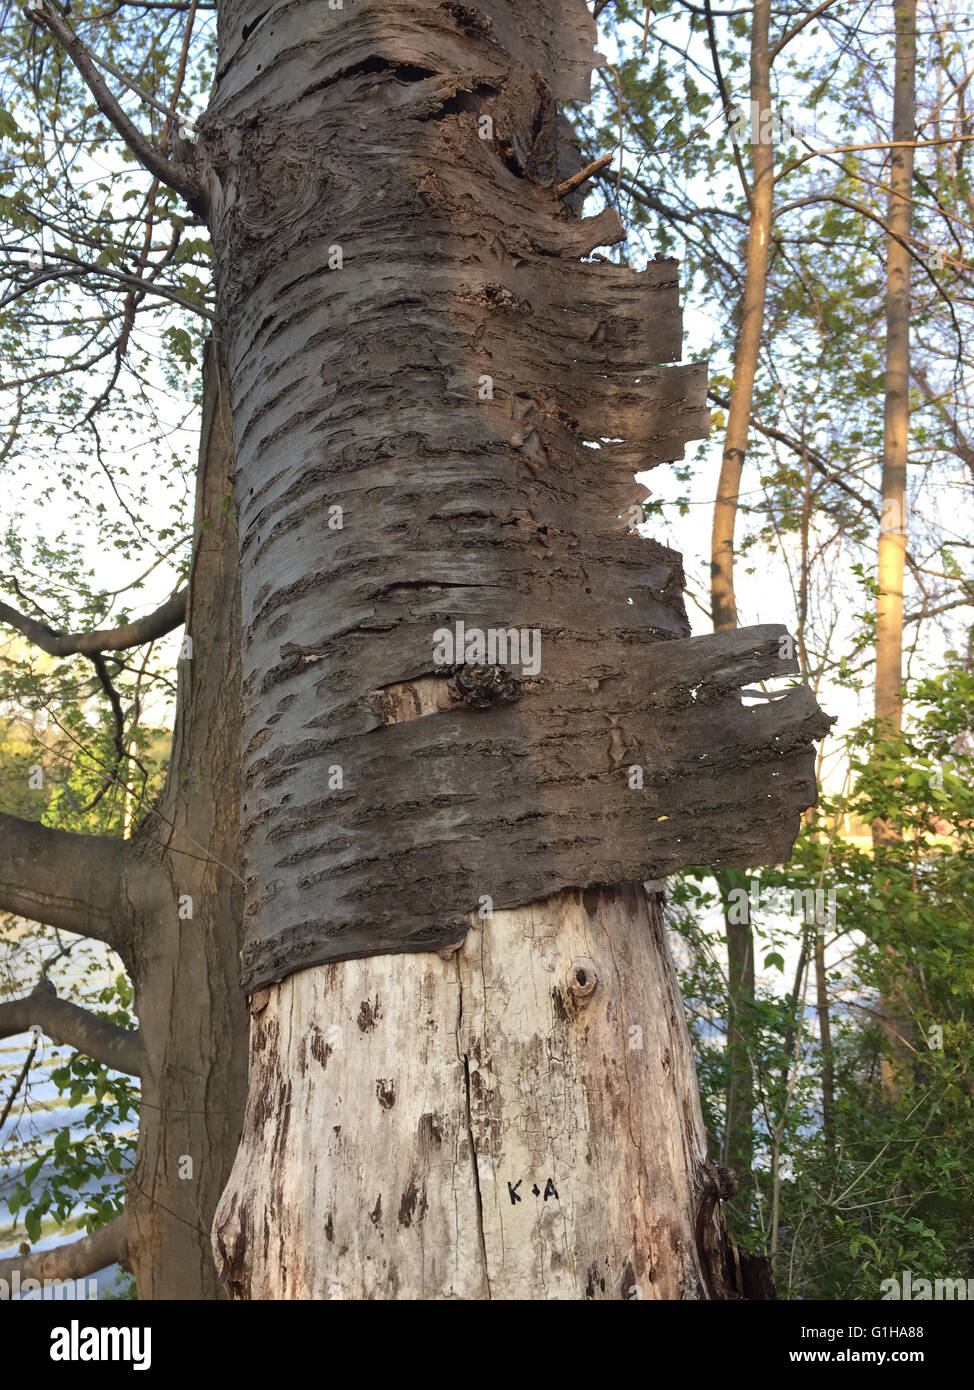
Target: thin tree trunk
738, 1148
739, 1100
894, 1013
825, 1040
722, 595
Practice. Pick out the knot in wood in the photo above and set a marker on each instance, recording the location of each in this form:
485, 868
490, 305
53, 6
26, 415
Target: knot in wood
470, 17
483, 686
583, 978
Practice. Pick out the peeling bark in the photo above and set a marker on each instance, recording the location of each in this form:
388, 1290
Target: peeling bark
359, 391
439, 403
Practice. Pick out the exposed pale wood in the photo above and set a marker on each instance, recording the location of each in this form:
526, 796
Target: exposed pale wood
415, 340
394, 1099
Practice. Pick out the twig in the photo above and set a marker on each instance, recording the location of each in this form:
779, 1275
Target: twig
179, 179
562, 190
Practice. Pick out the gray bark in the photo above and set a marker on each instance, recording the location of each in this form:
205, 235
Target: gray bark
357, 387
185, 968
64, 1022
389, 1085
76, 882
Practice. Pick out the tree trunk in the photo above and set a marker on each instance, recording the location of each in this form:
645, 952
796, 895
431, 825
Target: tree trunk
895, 1019
722, 596
518, 1121
825, 1038
169, 901
738, 1147
439, 403
739, 936
184, 955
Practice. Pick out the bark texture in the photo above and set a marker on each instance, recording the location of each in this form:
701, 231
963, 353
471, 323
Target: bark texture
64, 1022
74, 1260
415, 338
185, 953
86, 893
439, 401
517, 1121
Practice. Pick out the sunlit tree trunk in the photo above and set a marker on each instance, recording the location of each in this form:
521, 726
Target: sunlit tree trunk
894, 1013
739, 936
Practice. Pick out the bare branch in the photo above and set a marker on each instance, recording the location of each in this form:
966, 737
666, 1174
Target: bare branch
562, 190
63, 880
75, 1260
165, 619
64, 1022
789, 34
21, 1078
174, 176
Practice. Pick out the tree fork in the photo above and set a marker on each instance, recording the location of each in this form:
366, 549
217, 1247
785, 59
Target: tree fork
169, 902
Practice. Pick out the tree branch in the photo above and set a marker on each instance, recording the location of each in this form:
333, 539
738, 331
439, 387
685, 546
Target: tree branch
76, 882
178, 178
75, 1260
165, 619
963, 445
64, 1022
21, 1078
787, 37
